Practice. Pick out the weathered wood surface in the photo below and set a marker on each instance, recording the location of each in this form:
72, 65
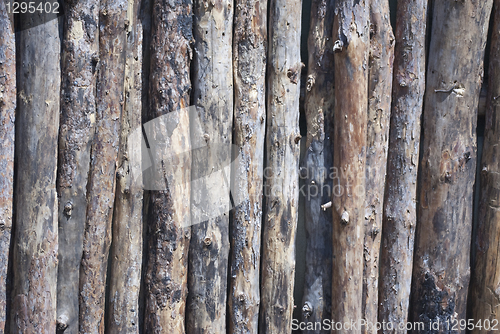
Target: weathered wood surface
282, 166
7, 135
249, 63
104, 156
33, 308
399, 216
78, 108
352, 43
317, 163
443, 236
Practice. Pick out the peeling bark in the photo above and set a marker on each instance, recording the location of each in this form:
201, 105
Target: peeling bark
282, 179
213, 96
351, 42
379, 111
126, 248
78, 106
399, 217
169, 208
104, 155
249, 62
317, 164
7, 120
442, 248
484, 293
37, 125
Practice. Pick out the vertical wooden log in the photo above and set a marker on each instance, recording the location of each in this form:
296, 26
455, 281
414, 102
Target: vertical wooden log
317, 164
442, 248
249, 63
7, 119
126, 248
485, 281
351, 43
400, 217
168, 238
78, 104
104, 155
379, 112
282, 178
37, 126
213, 96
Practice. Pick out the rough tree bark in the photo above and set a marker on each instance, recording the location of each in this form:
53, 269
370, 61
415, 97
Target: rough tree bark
485, 281
37, 126
169, 208
7, 119
351, 42
104, 155
282, 178
126, 248
213, 96
379, 113
249, 62
442, 248
78, 104
317, 164
400, 217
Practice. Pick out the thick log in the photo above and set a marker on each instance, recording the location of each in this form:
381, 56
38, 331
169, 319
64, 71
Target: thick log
37, 126
379, 111
127, 245
168, 208
400, 217
249, 63
78, 108
7, 118
484, 300
213, 97
104, 155
351, 43
442, 247
281, 187
317, 165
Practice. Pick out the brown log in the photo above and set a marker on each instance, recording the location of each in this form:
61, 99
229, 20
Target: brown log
126, 248
351, 43
104, 155
317, 165
169, 208
442, 247
399, 217
484, 300
379, 111
282, 166
78, 107
249, 63
7, 119
213, 96
33, 308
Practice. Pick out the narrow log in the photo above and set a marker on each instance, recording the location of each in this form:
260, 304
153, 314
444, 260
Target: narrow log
249, 63
104, 155
400, 217
317, 164
7, 135
483, 295
213, 97
37, 126
379, 112
351, 43
442, 247
126, 248
169, 208
282, 167
78, 107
